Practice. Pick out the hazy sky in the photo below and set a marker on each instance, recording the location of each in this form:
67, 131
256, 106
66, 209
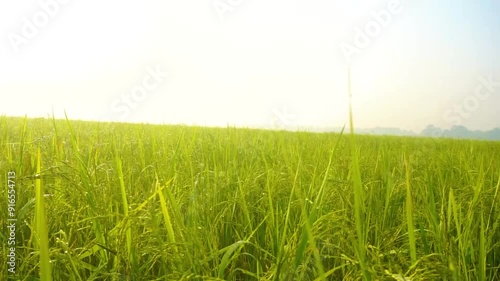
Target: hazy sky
254, 63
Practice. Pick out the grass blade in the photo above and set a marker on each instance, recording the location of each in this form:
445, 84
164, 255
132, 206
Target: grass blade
41, 227
409, 215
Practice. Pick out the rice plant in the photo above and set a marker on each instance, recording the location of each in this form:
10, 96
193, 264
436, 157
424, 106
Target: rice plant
112, 201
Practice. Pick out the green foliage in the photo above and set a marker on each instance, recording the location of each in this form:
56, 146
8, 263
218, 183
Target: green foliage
148, 202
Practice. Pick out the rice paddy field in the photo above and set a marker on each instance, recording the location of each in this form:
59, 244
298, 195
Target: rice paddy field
111, 201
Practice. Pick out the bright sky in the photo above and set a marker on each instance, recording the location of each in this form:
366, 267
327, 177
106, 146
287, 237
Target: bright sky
279, 63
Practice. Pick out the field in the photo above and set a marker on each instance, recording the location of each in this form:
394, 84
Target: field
109, 201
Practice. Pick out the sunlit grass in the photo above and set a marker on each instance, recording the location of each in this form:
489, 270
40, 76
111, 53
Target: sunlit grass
41, 233
148, 202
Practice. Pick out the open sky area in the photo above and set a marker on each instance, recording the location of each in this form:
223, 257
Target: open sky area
254, 63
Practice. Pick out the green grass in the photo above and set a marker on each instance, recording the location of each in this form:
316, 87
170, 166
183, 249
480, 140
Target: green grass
147, 202
41, 227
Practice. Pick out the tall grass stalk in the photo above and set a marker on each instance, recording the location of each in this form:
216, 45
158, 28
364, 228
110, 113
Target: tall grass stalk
125, 207
41, 226
358, 190
409, 214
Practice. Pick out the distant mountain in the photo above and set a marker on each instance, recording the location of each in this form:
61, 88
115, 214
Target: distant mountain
461, 132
